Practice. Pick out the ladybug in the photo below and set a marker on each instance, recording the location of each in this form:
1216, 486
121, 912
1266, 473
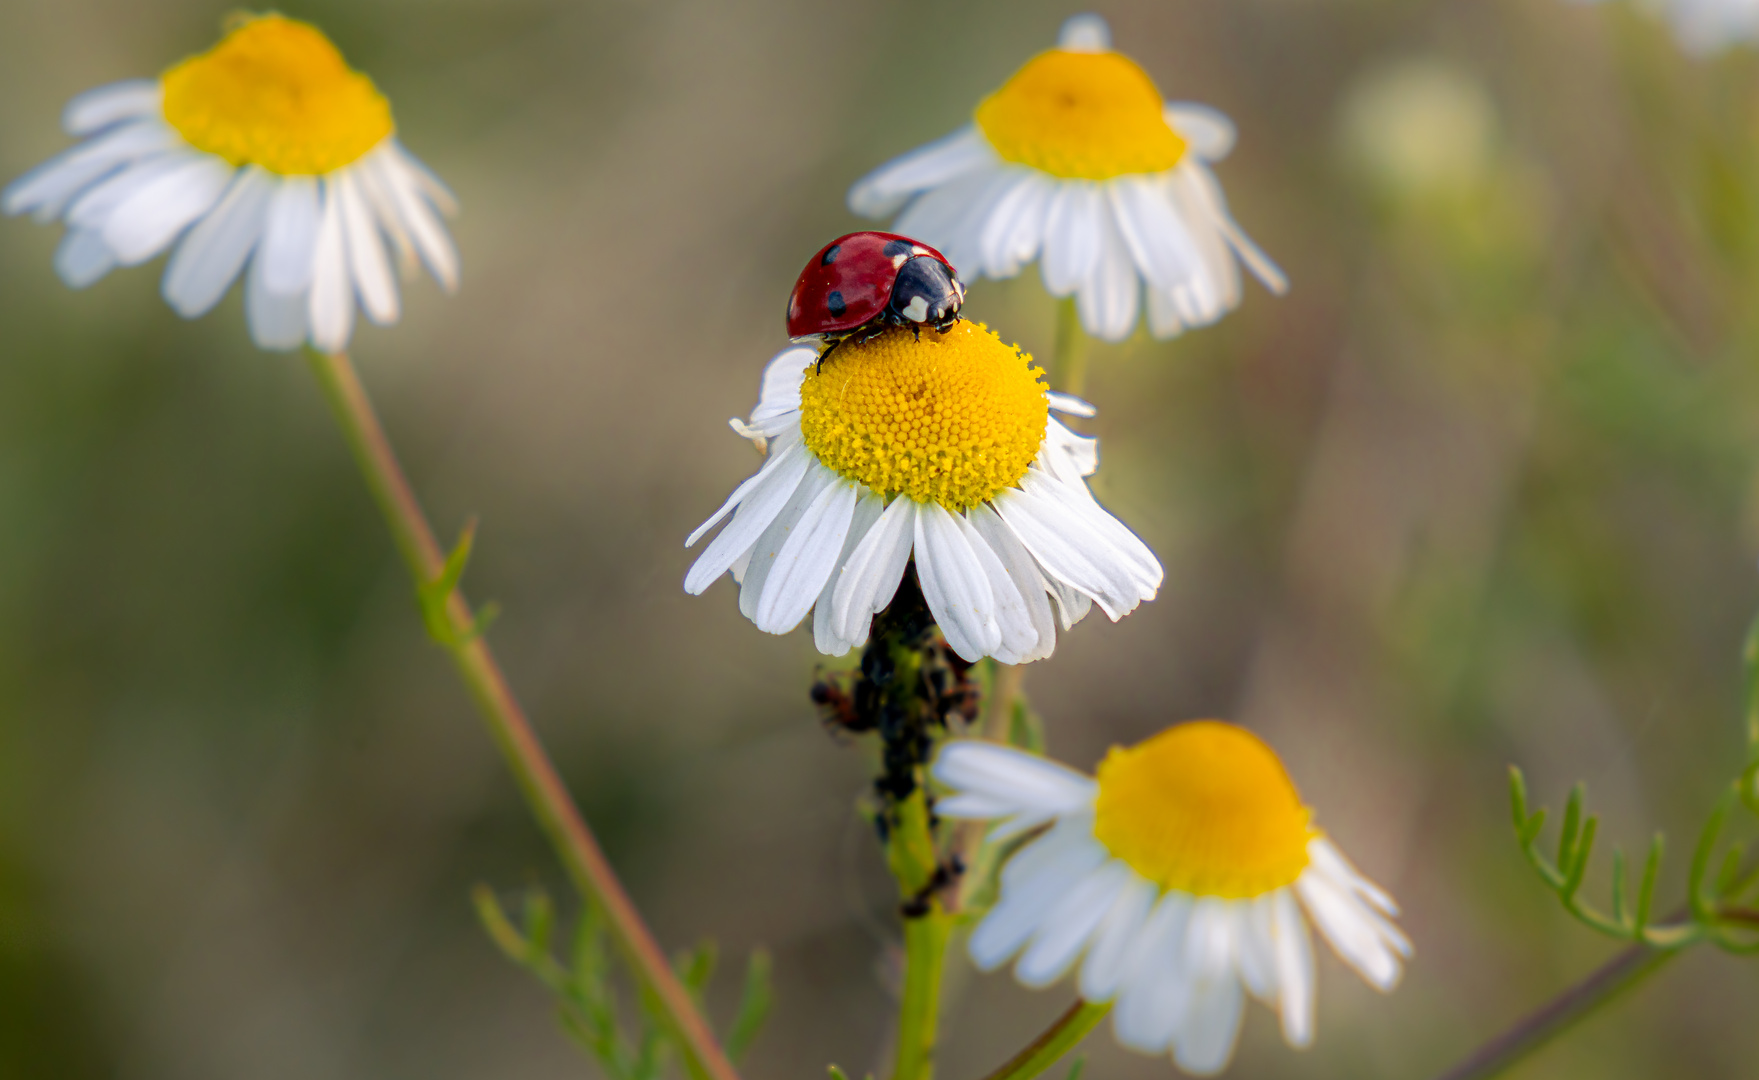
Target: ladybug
857, 285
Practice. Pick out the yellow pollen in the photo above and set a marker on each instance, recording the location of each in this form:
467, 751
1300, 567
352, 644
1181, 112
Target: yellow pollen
1205, 808
1081, 115
951, 418
274, 92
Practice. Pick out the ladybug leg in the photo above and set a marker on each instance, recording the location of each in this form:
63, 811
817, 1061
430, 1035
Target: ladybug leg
916, 331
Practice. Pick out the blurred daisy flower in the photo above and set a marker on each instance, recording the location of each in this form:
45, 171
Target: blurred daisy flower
1078, 162
940, 449
266, 145
1181, 872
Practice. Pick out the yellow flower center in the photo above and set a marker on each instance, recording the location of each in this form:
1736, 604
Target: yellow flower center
951, 418
276, 93
1082, 115
1205, 808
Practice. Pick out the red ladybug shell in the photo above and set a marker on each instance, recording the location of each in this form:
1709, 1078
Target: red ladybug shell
849, 282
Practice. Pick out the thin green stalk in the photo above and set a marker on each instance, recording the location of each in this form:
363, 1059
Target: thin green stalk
459, 634
927, 928
1563, 1012
1057, 1040
925, 959
1069, 362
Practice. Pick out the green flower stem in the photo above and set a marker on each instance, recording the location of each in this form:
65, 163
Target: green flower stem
1563, 1012
910, 851
483, 679
1057, 1040
925, 958
1069, 361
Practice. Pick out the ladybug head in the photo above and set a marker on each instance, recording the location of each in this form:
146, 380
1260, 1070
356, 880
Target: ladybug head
926, 294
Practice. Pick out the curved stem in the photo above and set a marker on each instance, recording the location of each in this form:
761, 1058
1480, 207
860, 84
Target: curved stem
1572, 1006
512, 732
1057, 1040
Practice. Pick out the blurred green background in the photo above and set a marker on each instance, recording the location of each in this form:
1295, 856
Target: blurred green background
1480, 490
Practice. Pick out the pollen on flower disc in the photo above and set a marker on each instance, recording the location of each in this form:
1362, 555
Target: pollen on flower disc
1206, 808
1081, 115
275, 92
949, 418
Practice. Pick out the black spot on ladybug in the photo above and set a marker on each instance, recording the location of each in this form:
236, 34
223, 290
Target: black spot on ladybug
895, 248
830, 255
835, 303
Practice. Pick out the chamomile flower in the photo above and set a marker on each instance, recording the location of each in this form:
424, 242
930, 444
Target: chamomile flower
268, 150
1176, 878
939, 449
1078, 162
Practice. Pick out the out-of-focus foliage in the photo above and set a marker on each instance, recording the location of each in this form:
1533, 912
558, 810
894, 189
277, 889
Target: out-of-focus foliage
1480, 490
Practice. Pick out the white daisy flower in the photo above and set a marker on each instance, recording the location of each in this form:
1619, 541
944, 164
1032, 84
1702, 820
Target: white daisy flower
266, 145
1181, 873
940, 449
1078, 162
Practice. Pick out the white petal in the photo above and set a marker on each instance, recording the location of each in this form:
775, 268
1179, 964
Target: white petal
1074, 229
1208, 132
83, 257
873, 571
1068, 834
1116, 940
884, 191
1026, 903
1078, 543
1160, 243
277, 321
1066, 931
955, 585
1331, 862
1022, 782
47, 189
105, 105
1144, 569
1070, 404
1257, 942
404, 186
95, 205
431, 187
1012, 611
1022, 576
778, 399
1198, 180
211, 255
816, 482
807, 559
1294, 967
366, 251
145, 223
1086, 32
1068, 457
780, 451
1108, 299
867, 511
951, 216
1205, 1042
1010, 237
759, 500
332, 291
290, 237
1359, 934
1152, 994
